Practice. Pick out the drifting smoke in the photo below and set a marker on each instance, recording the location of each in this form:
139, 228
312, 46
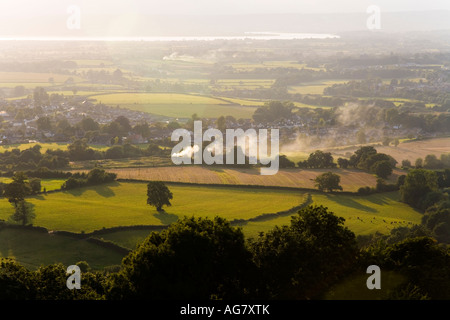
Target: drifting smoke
175, 56
187, 152
350, 119
357, 115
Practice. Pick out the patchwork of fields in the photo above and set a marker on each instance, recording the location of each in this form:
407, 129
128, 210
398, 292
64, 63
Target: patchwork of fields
124, 204
118, 204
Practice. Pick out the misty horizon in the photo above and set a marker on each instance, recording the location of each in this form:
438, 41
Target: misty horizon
131, 25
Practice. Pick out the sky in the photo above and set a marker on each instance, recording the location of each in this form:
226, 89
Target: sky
113, 18
29, 8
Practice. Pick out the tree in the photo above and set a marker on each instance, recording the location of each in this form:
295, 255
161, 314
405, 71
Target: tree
320, 159
124, 123
40, 96
88, 124
118, 74
44, 124
361, 154
19, 91
382, 169
303, 259
284, 162
343, 163
143, 129
406, 164
418, 183
35, 185
432, 162
418, 163
99, 176
23, 212
437, 220
396, 142
386, 141
18, 189
273, 111
424, 264
328, 181
158, 195
195, 258
221, 124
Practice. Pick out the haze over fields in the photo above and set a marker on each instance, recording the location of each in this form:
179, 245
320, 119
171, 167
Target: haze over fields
139, 18
100, 99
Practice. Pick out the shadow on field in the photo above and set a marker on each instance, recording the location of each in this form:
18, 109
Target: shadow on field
166, 218
38, 197
379, 199
103, 190
349, 202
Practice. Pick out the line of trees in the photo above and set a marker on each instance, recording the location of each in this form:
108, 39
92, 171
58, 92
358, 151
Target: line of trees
430, 161
33, 159
94, 177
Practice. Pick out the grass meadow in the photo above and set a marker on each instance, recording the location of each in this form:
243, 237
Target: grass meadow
124, 204
176, 105
32, 249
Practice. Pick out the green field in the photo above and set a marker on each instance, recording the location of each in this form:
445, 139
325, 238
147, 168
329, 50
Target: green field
48, 184
316, 87
363, 215
33, 248
176, 105
124, 204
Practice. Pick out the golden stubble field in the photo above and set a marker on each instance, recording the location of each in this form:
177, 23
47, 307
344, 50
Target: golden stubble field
351, 180
405, 150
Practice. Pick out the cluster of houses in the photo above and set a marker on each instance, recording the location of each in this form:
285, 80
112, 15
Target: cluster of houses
25, 129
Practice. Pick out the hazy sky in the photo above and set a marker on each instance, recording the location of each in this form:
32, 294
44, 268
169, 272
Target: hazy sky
27, 8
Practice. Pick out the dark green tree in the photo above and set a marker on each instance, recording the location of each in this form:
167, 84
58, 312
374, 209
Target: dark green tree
44, 124
88, 124
418, 183
158, 195
18, 189
23, 213
195, 258
382, 168
284, 162
302, 260
35, 185
328, 181
320, 160
342, 163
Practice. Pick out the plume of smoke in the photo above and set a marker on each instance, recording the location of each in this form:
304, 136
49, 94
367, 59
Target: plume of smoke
186, 152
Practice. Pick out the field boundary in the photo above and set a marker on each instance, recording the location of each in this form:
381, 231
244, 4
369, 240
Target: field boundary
79, 236
270, 216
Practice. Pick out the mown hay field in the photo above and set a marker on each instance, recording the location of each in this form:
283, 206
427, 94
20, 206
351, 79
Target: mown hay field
351, 180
